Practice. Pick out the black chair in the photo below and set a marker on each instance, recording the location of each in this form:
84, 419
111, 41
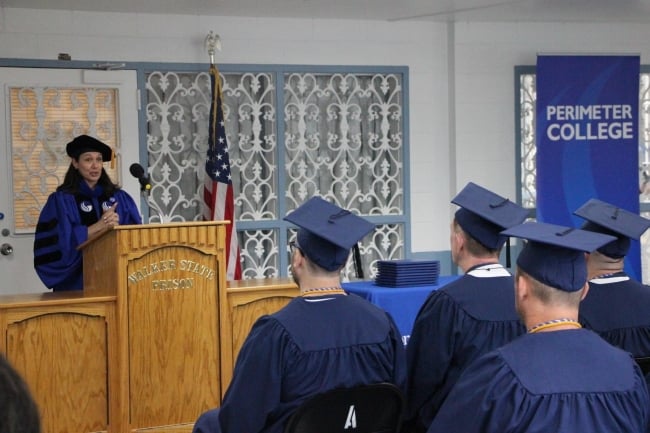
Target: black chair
644, 363
374, 408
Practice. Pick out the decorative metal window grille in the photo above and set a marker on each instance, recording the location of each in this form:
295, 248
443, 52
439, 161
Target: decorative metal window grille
43, 120
527, 148
291, 135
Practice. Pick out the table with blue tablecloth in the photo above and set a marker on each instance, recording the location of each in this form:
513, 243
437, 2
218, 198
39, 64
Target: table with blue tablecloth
402, 303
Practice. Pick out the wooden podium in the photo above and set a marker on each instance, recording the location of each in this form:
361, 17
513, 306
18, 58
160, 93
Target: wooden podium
150, 342
167, 280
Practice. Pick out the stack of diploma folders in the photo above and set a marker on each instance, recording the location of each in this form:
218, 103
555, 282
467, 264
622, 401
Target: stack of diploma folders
402, 273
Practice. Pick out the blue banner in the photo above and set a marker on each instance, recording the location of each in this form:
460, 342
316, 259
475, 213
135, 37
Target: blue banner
587, 137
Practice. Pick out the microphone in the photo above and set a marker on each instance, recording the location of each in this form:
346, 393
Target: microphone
137, 171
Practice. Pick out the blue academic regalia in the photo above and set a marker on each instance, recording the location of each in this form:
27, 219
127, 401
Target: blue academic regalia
618, 309
458, 323
63, 225
310, 346
561, 381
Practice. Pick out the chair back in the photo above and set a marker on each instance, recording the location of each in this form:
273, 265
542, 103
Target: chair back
644, 363
373, 408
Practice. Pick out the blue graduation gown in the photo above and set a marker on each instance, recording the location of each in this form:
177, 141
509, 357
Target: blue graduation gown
310, 346
63, 225
465, 319
562, 381
618, 309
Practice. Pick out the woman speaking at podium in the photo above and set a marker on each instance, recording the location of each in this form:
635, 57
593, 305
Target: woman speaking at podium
86, 203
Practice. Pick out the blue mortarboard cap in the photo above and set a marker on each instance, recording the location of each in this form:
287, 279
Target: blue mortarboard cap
484, 214
609, 219
86, 143
554, 255
327, 232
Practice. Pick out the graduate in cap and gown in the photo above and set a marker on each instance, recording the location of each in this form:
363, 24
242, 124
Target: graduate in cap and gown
86, 203
323, 339
470, 316
557, 377
617, 307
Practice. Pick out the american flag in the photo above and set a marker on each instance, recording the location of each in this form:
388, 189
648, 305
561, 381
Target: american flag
218, 192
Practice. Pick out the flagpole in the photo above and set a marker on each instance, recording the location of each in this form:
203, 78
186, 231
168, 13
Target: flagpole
218, 191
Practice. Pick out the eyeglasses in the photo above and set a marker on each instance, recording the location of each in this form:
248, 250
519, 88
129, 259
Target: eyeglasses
293, 245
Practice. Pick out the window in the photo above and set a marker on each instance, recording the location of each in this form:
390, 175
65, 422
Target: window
292, 132
43, 121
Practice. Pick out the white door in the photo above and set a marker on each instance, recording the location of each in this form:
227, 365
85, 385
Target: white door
17, 273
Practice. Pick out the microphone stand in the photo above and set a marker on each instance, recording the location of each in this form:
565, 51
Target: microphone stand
356, 255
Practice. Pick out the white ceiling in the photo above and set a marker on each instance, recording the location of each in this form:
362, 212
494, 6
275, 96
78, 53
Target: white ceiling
385, 10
